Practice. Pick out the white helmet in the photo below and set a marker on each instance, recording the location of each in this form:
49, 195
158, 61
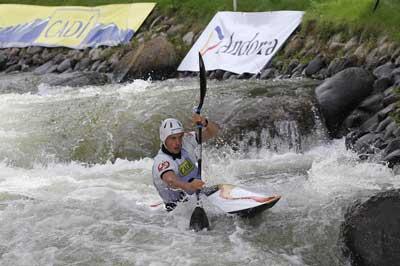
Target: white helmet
169, 127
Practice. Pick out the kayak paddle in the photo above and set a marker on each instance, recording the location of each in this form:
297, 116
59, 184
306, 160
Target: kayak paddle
199, 220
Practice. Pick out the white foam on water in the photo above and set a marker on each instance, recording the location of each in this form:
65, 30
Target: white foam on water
70, 213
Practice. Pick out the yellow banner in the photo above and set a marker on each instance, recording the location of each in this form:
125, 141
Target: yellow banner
70, 26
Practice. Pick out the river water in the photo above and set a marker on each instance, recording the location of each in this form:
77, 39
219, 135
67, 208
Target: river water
67, 197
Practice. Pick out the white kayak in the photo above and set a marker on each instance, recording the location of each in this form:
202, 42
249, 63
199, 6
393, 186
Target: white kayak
236, 200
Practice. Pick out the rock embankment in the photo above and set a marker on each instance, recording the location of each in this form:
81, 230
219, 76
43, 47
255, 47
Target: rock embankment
371, 231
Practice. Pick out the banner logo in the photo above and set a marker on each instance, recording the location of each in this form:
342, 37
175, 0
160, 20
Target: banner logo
214, 40
252, 46
69, 25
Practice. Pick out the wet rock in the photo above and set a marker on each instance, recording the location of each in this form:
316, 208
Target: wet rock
292, 65
396, 133
14, 51
244, 76
83, 64
366, 143
389, 130
255, 76
103, 67
382, 84
372, 60
393, 158
96, 54
294, 46
361, 53
13, 68
188, 38
384, 112
51, 69
58, 59
156, 21
76, 79
383, 124
25, 68
371, 230
383, 60
282, 117
37, 60
384, 71
233, 76
339, 64
397, 61
66, 64
18, 83
95, 65
268, 73
388, 91
299, 68
13, 60
355, 120
335, 46
372, 104
34, 50
156, 58
175, 29
114, 59
47, 54
395, 75
391, 98
211, 75
226, 75
351, 44
351, 138
339, 95
315, 65
219, 74
3, 62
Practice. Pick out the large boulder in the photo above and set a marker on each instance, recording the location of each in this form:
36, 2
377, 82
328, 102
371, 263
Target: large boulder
339, 95
278, 119
371, 230
155, 58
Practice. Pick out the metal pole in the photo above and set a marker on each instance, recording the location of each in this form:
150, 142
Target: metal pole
234, 5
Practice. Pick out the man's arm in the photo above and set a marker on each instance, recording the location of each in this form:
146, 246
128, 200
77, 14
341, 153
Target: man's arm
173, 181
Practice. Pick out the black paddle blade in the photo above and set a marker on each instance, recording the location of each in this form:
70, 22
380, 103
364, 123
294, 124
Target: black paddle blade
199, 220
203, 83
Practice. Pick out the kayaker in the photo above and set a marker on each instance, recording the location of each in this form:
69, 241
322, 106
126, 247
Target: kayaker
175, 173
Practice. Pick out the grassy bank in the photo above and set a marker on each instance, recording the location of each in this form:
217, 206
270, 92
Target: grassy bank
331, 15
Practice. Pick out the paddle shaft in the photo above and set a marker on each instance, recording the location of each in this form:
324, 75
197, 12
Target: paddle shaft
203, 89
199, 161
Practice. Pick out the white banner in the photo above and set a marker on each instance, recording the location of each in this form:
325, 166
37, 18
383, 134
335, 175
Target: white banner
241, 42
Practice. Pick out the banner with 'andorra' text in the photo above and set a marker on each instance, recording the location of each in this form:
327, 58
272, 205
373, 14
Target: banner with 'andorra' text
241, 42
70, 26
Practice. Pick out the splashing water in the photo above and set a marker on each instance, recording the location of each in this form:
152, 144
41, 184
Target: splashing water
64, 202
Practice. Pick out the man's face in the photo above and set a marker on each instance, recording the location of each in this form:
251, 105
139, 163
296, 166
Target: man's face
173, 143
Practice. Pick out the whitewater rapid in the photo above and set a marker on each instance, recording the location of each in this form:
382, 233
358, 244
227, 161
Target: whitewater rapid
56, 209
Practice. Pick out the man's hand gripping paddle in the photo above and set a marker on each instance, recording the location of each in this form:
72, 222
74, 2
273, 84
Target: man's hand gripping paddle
199, 220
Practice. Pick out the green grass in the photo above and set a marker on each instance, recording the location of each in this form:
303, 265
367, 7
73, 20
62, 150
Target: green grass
331, 15
357, 15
